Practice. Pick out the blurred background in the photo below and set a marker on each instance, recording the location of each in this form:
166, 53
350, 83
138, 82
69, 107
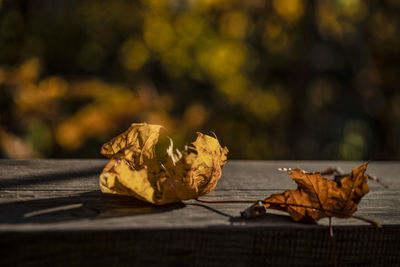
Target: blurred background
274, 79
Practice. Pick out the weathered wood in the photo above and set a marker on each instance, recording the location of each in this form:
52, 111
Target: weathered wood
52, 213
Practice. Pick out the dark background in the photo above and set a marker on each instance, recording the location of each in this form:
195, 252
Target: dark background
283, 79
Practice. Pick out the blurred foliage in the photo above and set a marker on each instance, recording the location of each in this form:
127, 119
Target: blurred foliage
281, 79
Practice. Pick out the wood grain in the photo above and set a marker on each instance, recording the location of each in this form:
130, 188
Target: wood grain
52, 213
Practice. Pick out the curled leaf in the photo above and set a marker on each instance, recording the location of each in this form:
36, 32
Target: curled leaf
317, 197
134, 169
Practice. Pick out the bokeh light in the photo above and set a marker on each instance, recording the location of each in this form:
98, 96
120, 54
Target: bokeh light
281, 79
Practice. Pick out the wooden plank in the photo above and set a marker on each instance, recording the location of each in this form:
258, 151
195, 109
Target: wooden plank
51, 175
244, 175
52, 213
42, 186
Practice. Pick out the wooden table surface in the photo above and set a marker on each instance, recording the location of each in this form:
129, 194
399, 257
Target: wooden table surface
53, 213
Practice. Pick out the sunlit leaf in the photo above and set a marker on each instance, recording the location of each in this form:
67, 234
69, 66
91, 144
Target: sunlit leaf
135, 170
317, 197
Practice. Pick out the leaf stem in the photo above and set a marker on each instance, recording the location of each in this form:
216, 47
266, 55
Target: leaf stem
224, 201
376, 179
375, 223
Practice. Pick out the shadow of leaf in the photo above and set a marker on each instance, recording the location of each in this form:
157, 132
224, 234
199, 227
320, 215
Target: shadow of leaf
88, 205
269, 219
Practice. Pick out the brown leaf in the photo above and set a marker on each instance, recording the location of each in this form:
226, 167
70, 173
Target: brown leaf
134, 169
317, 197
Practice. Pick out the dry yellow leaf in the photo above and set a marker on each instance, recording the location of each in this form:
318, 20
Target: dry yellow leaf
134, 169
